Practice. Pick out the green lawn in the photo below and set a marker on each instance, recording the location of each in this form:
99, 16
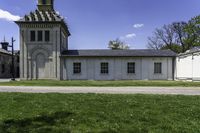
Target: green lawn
101, 83
92, 113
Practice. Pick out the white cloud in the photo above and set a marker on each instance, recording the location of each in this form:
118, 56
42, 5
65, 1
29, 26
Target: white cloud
128, 36
5, 15
132, 35
138, 25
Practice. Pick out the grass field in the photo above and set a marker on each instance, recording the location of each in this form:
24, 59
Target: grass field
101, 83
92, 113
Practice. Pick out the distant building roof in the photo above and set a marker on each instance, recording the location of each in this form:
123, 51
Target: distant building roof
16, 52
5, 51
119, 53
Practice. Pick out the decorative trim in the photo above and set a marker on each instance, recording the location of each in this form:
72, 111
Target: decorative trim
46, 25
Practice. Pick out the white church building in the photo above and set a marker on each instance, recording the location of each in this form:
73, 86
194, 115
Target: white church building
44, 54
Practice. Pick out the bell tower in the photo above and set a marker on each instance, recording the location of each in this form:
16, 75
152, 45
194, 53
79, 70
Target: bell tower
45, 5
43, 36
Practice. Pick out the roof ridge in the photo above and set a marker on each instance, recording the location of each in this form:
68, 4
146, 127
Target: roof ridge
123, 49
120, 53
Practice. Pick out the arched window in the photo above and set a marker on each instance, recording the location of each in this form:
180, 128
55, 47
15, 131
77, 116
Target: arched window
44, 2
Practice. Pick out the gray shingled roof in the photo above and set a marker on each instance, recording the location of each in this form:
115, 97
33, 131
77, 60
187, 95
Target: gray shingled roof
120, 53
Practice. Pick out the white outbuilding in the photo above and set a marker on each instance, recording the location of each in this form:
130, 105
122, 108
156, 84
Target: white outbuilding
188, 65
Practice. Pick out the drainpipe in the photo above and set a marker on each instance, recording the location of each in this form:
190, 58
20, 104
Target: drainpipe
173, 68
192, 67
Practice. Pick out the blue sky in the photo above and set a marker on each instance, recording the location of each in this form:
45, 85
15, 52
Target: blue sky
93, 23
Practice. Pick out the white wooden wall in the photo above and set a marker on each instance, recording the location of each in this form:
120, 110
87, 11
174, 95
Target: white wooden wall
188, 67
144, 68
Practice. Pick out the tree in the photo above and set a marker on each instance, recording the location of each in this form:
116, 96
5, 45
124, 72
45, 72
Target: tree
117, 44
176, 48
154, 43
181, 36
178, 36
162, 37
193, 30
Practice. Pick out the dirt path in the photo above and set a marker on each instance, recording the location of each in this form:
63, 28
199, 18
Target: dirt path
105, 90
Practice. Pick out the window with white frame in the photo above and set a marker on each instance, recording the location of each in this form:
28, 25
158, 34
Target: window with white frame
77, 67
157, 67
104, 68
131, 67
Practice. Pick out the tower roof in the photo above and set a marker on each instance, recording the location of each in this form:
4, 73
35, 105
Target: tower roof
42, 15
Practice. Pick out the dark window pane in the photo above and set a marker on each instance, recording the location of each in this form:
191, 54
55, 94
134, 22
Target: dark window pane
40, 36
18, 59
32, 36
18, 71
157, 68
47, 36
77, 68
2, 68
44, 2
11, 69
104, 68
131, 67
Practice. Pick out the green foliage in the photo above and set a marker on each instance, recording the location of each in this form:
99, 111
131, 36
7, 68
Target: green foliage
93, 113
193, 29
176, 48
100, 83
117, 44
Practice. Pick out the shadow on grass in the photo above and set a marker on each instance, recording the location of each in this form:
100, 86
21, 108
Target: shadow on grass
42, 124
